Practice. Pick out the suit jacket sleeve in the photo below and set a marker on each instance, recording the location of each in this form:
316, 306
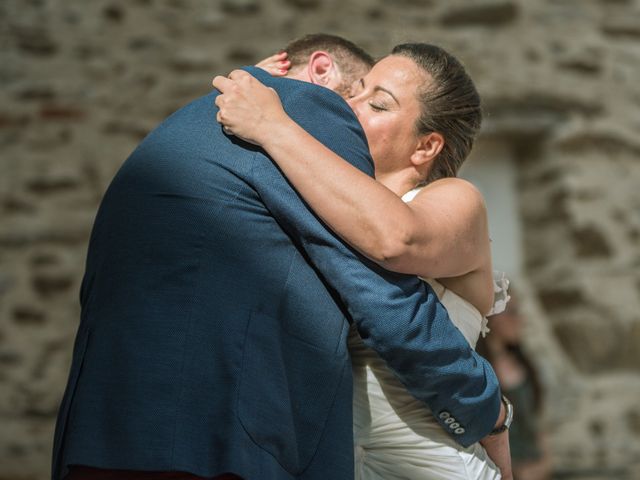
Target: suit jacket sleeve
399, 316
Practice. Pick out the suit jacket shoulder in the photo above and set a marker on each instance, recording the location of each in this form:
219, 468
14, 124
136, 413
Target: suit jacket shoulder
325, 115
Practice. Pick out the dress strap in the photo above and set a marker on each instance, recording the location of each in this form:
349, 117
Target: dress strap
407, 197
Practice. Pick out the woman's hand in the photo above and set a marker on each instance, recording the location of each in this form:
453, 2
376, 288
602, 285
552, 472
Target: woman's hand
247, 108
276, 65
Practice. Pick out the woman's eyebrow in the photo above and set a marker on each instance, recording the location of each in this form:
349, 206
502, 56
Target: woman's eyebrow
378, 88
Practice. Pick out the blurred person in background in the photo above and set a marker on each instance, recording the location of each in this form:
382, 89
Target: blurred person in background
520, 382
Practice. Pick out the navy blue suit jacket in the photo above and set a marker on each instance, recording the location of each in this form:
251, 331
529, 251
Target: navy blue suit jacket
216, 307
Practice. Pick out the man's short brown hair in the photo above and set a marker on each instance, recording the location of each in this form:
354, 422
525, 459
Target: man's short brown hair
350, 58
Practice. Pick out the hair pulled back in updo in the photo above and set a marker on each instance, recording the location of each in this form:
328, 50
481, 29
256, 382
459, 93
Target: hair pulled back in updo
450, 105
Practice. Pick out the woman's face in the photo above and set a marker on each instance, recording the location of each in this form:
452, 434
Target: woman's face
386, 103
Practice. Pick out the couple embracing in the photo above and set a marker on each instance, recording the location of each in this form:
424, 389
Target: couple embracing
256, 305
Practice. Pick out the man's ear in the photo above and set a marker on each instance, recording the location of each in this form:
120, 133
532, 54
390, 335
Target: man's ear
321, 68
428, 148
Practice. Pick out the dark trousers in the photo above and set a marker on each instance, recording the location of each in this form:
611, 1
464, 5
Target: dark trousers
89, 473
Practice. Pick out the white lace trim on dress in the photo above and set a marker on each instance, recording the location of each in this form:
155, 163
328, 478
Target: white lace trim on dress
500, 298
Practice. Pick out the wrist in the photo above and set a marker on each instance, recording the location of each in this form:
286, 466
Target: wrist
274, 132
504, 418
502, 415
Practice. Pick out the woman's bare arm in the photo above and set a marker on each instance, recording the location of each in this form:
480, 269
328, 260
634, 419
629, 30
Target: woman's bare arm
436, 235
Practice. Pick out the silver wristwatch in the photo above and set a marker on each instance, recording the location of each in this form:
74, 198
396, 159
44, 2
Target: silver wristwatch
507, 421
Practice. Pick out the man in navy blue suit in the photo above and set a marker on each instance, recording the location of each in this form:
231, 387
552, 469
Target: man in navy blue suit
216, 307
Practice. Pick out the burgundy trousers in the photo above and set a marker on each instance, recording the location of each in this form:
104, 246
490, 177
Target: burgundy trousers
90, 473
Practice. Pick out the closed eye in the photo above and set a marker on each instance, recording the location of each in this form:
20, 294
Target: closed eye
377, 108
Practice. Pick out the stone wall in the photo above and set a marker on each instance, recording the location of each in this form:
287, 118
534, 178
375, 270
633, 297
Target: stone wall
83, 82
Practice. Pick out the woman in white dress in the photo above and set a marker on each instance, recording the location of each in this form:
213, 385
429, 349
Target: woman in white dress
420, 112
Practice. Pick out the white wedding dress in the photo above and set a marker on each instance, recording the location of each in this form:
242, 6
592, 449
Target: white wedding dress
395, 435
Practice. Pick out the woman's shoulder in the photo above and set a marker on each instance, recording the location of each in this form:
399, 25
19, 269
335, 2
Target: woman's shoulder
457, 202
463, 190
